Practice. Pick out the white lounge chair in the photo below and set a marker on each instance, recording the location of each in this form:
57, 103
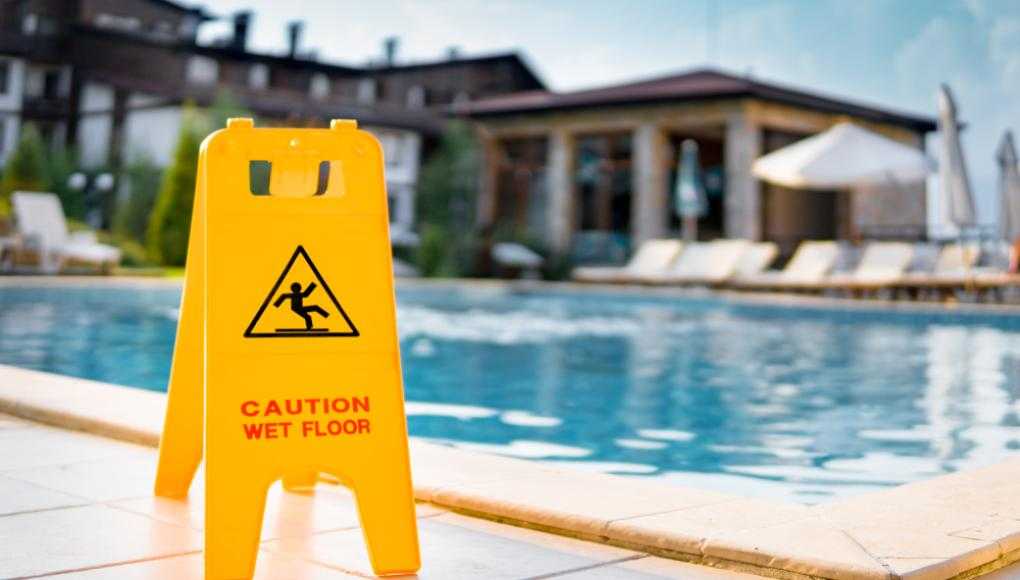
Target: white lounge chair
514, 256
706, 263
806, 270
40, 221
652, 257
881, 265
756, 259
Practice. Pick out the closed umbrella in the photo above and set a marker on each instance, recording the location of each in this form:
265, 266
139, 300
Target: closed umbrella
844, 157
689, 192
955, 192
1009, 192
1009, 189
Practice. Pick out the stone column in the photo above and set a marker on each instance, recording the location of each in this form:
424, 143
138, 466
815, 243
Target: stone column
486, 205
560, 194
743, 190
650, 202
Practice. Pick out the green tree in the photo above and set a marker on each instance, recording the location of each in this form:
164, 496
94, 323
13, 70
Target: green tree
447, 196
167, 233
26, 167
140, 183
223, 107
60, 163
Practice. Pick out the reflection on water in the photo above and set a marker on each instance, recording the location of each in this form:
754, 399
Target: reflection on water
802, 404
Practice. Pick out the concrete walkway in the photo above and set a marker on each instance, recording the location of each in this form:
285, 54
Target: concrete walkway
74, 505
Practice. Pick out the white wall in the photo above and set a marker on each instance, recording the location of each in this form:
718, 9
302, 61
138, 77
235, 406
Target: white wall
402, 153
95, 126
10, 107
152, 132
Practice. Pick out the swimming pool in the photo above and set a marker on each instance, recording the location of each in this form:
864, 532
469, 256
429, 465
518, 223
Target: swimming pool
790, 402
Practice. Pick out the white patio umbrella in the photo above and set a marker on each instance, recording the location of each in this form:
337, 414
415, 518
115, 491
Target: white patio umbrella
844, 157
957, 200
1009, 189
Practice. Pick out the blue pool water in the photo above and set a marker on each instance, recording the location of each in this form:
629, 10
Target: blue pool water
798, 403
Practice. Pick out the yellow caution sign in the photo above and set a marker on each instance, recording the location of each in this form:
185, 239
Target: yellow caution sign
286, 347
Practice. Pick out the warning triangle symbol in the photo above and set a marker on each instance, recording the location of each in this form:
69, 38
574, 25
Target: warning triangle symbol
300, 304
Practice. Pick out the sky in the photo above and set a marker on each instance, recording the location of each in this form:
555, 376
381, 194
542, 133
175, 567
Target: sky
892, 53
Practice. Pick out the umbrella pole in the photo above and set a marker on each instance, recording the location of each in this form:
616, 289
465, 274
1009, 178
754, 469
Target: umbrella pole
690, 228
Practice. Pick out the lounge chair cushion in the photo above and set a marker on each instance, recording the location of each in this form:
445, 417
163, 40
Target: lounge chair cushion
40, 218
653, 256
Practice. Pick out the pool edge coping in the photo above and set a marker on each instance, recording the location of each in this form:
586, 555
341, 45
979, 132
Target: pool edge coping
670, 521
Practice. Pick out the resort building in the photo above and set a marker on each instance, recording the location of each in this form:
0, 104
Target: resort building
110, 77
599, 165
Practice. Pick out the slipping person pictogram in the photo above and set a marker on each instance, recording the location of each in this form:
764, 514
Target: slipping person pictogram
310, 297
297, 305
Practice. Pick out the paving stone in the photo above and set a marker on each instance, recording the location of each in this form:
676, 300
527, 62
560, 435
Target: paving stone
269, 566
101, 480
455, 547
19, 496
81, 537
38, 447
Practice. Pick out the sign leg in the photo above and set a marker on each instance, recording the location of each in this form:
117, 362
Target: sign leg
388, 520
180, 447
233, 522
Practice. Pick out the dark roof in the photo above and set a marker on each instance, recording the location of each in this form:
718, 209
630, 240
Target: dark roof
197, 11
513, 58
692, 85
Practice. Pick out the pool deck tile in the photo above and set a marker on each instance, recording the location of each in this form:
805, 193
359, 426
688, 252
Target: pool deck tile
313, 535
19, 496
286, 514
98, 480
269, 566
959, 524
455, 547
74, 538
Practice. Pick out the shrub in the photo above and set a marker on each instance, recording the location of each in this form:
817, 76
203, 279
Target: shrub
166, 237
60, 163
25, 169
447, 196
140, 183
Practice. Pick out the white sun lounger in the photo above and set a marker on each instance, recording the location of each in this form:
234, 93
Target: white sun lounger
756, 259
652, 256
881, 265
806, 270
40, 221
704, 263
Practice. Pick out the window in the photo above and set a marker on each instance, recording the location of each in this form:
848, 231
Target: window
51, 84
30, 24
416, 97
5, 76
366, 91
3, 136
394, 206
115, 22
202, 70
258, 76
319, 88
